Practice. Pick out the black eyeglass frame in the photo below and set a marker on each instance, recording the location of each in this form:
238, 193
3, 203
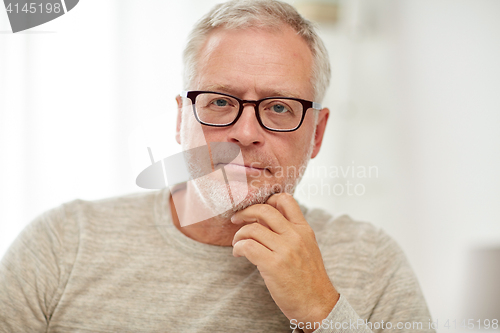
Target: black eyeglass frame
305, 104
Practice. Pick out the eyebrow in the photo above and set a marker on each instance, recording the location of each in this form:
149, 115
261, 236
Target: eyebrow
268, 93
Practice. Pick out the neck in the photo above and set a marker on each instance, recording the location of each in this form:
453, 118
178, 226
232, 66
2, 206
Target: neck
215, 231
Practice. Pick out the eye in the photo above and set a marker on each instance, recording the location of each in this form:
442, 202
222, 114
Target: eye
220, 102
279, 108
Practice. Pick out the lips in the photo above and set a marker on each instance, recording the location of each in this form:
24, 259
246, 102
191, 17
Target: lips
247, 168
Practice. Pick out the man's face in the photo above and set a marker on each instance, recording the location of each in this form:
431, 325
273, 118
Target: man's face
252, 64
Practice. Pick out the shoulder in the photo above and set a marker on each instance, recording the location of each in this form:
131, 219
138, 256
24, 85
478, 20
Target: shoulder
111, 212
332, 230
368, 267
119, 205
57, 235
62, 226
346, 242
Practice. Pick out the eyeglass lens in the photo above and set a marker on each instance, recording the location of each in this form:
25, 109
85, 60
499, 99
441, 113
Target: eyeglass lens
274, 113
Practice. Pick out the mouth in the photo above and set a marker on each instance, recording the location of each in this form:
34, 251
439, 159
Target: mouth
250, 169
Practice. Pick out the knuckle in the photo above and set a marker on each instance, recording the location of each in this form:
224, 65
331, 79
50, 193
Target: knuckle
251, 229
254, 227
285, 197
239, 247
288, 256
266, 209
294, 236
310, 233
245, 243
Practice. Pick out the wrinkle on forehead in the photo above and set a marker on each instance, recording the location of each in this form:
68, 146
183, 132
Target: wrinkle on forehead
285, 70
231, 90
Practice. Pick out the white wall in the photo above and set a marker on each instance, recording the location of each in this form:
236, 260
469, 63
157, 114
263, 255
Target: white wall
452, 97
72, 91
416, 92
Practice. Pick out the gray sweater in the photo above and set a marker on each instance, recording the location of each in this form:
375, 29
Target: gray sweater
120, 265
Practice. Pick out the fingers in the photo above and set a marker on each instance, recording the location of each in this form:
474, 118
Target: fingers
263, 214
287, 206
255, 252
259, 233
279, 210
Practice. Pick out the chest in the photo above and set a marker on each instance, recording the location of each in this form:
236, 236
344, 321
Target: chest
171, 293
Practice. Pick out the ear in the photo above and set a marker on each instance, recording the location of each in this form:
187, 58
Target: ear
178, 99
320, 130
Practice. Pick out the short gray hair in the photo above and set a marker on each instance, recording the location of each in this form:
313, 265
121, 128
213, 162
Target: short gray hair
237, 14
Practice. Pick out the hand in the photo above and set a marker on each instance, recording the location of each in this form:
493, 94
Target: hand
280, 242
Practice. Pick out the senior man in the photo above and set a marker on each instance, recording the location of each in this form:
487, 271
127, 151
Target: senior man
255, 72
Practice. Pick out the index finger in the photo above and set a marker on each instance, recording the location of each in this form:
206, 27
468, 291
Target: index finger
264, 214
288, 207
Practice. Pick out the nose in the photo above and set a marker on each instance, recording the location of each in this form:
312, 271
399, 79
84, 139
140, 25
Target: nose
247, 130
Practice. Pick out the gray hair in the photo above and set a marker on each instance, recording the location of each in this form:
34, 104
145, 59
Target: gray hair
262, 14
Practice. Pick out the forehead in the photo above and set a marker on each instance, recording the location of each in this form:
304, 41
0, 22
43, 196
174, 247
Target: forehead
256, 61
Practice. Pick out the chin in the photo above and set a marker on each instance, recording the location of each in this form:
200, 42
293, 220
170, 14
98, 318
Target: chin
259, 195
213, 193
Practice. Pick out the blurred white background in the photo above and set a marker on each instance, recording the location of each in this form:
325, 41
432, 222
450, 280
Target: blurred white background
415, 93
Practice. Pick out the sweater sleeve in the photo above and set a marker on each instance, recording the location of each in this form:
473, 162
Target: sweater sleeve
400, 303
33, 273
342, 318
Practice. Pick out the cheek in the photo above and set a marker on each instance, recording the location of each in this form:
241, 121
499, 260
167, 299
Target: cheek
292, 150
215, 134
194, 134
191, 130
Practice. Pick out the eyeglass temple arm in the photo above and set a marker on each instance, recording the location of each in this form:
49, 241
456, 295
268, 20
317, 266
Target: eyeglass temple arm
316, 106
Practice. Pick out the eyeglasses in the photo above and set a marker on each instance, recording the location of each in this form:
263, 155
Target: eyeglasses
278, 114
